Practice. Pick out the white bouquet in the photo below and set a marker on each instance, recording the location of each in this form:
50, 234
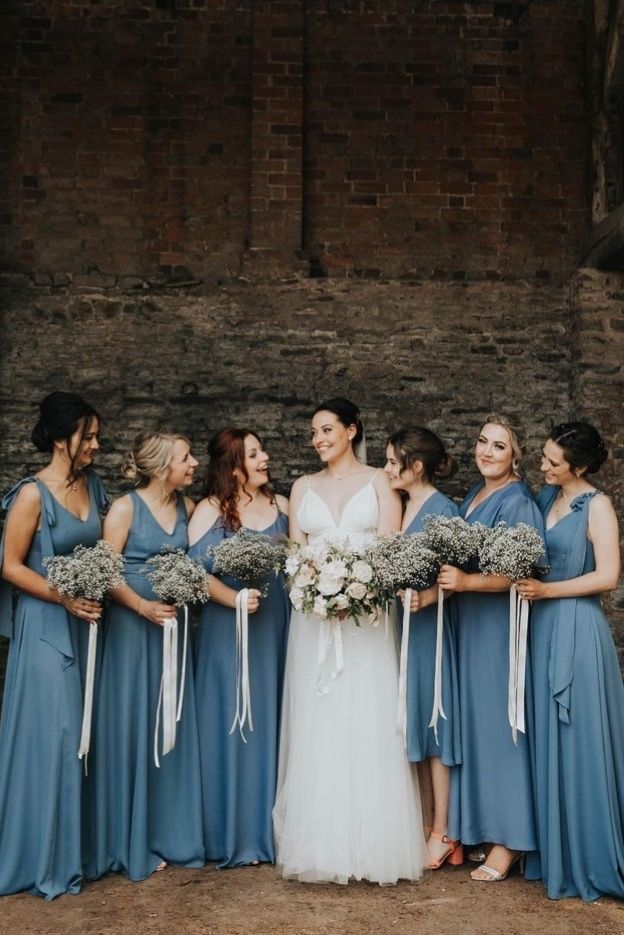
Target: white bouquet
514, 551
250, 557
399, 562
454, 541
87, 572
180, 580
176, 578
331, 581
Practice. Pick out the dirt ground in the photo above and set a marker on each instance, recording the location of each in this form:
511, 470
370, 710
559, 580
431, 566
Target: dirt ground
256, 901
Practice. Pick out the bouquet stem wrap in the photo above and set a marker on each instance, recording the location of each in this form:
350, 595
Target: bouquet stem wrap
243, 688
87, 709
402, 702
518, 630
438, 710
167, 703
330, 637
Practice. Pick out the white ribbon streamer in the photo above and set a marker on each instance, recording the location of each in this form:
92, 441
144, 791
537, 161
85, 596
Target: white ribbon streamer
168, 689
402, 700
438, 710
183, 673
87, 710
243, 688
330, 636
518, 632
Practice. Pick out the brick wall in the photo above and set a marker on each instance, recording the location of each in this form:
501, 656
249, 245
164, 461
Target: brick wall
150, 140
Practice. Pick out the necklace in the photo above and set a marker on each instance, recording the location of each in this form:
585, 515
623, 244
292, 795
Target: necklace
346, 473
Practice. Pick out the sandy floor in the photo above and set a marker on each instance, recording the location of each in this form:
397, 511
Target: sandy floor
256, 900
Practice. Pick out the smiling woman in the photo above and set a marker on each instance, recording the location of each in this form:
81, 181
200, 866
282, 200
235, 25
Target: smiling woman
238, 776
41, 781
140, 819
347, 804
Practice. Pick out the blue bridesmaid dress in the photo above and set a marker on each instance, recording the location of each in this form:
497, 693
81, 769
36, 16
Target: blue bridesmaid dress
42, 790
492, 792
579, 726
143, 814
421, 741
239, 779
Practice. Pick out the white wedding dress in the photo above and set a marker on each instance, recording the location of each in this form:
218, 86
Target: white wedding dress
348, 805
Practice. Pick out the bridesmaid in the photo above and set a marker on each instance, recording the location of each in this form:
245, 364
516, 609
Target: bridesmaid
145, 816
238, 778
492, 793
41, 777
415, 458
579, 698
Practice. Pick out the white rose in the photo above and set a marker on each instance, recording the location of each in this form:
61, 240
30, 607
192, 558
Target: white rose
335, 569
356, 590
296, 598
305, 577
329, 585
320, 606
340, 602
292, 565
362, 571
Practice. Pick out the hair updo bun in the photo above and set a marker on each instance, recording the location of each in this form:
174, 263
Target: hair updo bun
582, 445
150, 457
347, 413
60, 415
418, 443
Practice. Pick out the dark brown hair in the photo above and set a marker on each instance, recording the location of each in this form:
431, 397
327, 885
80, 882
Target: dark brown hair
582, 445
60, 415
418, 443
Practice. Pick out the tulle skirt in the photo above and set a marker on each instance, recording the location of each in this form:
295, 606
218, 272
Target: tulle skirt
348, 805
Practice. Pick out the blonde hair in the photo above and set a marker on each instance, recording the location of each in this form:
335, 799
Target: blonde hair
150, 456
517, 435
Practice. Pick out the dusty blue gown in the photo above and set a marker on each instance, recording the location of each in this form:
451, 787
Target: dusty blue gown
421, 741
239, 779
492, 792
143, 814
42, 786
579, 726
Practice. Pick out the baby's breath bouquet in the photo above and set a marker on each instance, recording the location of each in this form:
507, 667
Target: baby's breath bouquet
514, 551
399, 562
332, 581
87, 572
454, 541
248, 556
176, 578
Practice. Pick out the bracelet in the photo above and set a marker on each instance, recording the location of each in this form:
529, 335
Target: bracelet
138, 610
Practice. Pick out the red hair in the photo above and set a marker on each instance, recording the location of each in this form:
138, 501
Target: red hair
227, 454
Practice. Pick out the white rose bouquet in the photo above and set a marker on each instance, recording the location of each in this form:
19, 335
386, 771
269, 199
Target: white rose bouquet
331, 581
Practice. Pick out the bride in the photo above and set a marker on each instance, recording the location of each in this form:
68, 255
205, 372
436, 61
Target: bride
347, 804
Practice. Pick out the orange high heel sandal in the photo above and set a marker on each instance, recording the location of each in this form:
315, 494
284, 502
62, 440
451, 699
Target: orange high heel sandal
454, 853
